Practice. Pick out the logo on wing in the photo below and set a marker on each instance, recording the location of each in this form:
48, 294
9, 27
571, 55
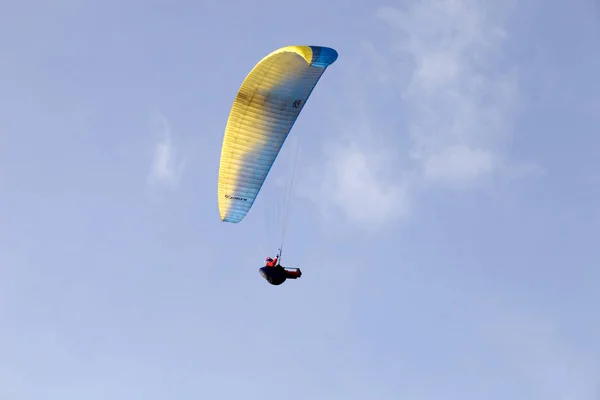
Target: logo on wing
235, 198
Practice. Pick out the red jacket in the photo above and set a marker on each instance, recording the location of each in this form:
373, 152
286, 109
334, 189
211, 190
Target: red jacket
271, 262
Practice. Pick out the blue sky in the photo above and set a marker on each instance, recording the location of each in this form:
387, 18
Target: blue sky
445, 215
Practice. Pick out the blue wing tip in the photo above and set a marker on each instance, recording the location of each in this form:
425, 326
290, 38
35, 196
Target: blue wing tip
323, 56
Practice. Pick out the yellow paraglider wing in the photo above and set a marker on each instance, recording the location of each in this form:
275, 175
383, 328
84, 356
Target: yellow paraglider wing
263, 113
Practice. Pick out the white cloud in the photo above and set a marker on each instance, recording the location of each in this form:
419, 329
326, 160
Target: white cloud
165, 169
455, 98
354, 183
358, 182
461, 98
458, 165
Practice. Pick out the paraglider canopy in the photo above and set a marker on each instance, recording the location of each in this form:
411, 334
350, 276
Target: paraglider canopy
263, 113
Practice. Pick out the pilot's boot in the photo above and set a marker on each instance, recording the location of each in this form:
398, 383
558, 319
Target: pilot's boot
294, 274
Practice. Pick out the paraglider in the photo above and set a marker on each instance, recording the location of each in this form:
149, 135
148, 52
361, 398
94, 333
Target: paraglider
264, 111
276, 274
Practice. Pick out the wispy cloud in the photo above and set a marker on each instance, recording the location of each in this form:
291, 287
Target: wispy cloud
456, 97
357, 175
353, 182
462, 94
166, 167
